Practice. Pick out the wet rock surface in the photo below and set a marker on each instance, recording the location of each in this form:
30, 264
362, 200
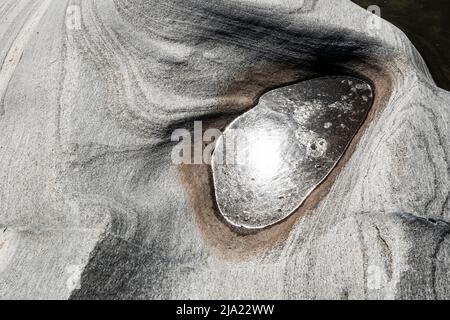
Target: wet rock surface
272, 157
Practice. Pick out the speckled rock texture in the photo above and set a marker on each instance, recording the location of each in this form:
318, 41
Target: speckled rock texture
92, 207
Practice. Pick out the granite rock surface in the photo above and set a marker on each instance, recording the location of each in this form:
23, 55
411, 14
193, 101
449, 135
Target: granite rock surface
91, 205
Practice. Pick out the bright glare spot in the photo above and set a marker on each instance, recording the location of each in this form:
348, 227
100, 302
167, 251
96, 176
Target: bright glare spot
264, 155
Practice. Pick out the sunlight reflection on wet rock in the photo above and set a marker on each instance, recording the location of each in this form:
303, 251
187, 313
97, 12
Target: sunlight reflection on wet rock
271, 158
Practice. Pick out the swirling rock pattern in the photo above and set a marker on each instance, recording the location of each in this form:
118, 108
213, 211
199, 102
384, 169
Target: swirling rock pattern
91, 205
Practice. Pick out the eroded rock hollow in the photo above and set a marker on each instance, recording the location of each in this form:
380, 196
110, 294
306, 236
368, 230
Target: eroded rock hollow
92, 205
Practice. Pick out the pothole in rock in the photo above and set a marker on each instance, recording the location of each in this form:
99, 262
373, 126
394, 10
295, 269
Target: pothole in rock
272, 157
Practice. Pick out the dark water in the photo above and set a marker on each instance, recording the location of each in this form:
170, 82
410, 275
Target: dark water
427, 24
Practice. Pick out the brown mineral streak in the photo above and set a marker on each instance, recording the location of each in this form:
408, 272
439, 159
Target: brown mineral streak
230, 243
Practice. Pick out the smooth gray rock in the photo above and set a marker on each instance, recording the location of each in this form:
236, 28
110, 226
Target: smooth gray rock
91, 91
270, 159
